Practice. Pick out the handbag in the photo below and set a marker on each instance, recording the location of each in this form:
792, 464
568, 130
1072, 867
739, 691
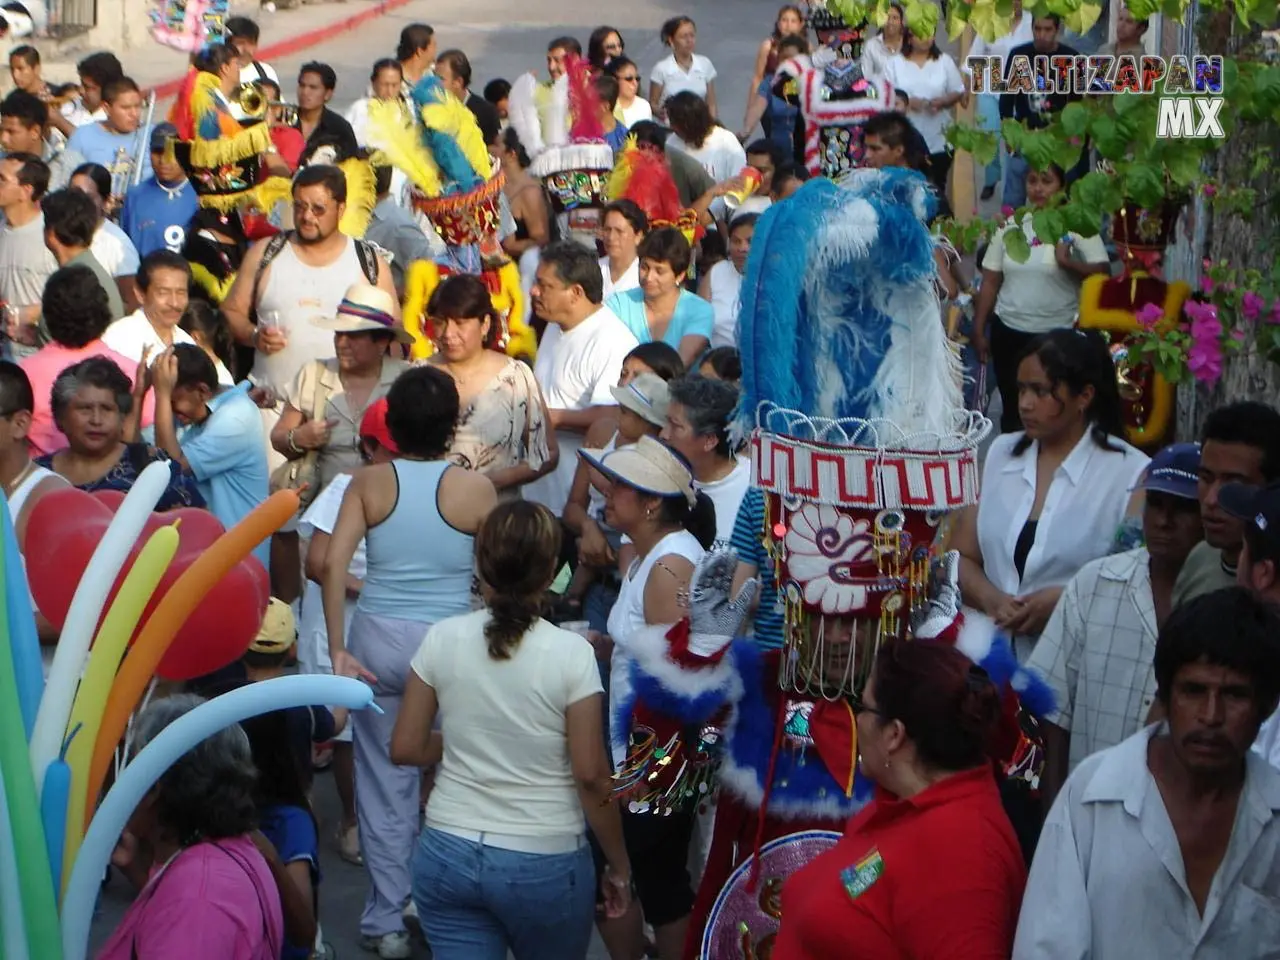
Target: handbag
300, 474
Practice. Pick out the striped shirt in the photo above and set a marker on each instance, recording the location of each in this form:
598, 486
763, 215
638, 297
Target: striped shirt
748, 543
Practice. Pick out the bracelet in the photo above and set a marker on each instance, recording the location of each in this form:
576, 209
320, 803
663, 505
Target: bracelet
293, 444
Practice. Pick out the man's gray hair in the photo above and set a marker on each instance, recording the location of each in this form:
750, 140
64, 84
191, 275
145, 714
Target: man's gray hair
709, 405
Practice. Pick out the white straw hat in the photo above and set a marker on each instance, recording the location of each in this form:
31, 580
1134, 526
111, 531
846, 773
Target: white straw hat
648, 466
646, 396
366, 309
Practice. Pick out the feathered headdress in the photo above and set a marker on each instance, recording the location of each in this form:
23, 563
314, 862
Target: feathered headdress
643, 176
845, 323
584, 103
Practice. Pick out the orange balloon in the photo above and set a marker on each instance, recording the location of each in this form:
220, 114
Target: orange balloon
167, 619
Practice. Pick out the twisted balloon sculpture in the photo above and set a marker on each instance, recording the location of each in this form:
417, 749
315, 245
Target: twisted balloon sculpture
57, 737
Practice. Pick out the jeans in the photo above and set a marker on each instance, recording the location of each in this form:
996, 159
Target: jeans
477, 902
989, 119
1015, 180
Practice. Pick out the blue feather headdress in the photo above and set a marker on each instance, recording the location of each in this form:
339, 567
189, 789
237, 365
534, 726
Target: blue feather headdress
839, 318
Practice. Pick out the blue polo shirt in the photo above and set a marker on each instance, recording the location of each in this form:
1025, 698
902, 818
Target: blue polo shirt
692, 316
156, 218
228, 456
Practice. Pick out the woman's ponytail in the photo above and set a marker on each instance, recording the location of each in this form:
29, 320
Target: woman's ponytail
517, 555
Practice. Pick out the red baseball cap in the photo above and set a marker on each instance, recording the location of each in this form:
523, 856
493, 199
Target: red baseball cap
374, 424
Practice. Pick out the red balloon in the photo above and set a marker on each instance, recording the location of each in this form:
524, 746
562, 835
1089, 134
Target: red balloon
65, 528
112, 498
220, 629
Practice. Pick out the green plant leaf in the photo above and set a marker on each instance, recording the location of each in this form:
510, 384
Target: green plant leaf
987, 22
1016, 246
1049, 225
1074, 119
1082, 19
1144, 184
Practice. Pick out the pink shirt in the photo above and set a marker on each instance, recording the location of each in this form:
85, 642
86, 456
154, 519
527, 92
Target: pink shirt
43, 367
214, 901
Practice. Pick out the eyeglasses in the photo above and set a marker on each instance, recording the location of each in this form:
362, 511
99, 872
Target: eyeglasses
859, 706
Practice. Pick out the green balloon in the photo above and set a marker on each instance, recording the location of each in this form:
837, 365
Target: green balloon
35, 879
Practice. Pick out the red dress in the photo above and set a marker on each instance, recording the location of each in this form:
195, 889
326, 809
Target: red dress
934, 877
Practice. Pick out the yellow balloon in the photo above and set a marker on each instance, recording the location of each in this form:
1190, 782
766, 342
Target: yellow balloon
104, 659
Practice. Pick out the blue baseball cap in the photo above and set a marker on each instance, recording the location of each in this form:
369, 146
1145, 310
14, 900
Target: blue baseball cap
1174, 470
1258, 507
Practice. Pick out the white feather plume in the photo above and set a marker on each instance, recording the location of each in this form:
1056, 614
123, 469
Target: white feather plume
556, 120
522, 111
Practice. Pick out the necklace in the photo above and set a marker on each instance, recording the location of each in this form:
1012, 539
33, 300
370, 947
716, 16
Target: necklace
173, 192
17, 481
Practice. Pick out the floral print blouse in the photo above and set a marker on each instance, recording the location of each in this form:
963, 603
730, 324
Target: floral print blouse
503, 426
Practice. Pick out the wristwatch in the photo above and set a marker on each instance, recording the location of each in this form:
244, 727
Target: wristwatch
293, 445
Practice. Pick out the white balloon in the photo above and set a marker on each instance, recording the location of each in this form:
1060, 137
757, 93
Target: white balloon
90, 597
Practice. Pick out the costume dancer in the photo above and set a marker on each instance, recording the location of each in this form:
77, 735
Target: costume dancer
457, 187
861, 446
560, 128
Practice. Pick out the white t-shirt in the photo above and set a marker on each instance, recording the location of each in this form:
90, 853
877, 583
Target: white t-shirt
630, 279
313, 636
630, 116
726, 288
112, 248
721, 155
575, 371
130, 336
1038, 296
674, 79
627, 617
936, 78
506, 753
727, 493
1001, 46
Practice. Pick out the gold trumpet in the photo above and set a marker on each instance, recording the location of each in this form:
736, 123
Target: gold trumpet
254, 103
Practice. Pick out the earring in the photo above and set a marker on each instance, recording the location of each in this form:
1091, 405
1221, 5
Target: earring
887, 764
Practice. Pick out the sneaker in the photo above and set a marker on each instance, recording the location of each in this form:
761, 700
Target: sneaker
389, 946
349, 845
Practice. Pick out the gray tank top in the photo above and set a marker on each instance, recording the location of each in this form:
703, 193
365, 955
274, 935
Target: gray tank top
419, 567
300, 293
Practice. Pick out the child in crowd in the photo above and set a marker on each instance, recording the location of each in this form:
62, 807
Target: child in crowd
722, 363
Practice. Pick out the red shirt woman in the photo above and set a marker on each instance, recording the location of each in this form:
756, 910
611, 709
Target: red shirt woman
932, 868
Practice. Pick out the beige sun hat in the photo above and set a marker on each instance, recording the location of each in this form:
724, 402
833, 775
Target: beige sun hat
646, 396
366, 309
649, 466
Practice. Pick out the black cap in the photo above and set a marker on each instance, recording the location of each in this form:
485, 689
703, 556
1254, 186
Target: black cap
1258, 507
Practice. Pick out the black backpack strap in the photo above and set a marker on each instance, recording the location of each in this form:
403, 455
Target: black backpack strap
275, 245
368, 257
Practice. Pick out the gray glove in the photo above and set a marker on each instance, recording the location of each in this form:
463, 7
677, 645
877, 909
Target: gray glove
714, 617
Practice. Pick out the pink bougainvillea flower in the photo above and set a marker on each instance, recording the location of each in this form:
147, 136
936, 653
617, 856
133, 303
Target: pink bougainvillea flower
1209, 190
1204, 360
1201, 313
1274, 316
1006, 211
1149, 316
1251, 306
1206, 284
1238, 336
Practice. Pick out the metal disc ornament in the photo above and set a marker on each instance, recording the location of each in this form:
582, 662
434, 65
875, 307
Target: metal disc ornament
744, 923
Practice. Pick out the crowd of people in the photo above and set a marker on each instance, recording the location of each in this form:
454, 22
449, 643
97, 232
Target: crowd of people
487, 538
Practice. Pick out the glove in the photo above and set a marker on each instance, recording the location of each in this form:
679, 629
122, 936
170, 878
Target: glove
714, 618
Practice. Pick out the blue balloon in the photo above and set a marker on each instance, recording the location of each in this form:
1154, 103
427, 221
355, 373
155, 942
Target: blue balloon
53, 812
22, 629
160, 754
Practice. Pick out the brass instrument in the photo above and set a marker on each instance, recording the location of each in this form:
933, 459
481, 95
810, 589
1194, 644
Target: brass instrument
251, 100
254, 104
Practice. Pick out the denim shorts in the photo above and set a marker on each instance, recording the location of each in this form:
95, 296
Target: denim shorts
478, 902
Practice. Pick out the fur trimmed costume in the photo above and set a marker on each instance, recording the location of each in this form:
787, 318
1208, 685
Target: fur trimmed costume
861, 445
